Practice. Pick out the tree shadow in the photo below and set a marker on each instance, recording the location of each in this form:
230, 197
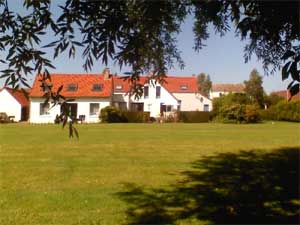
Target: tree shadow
250, 187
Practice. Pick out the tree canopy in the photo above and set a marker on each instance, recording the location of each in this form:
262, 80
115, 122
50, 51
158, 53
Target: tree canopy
140, 34
204, 84
254, 88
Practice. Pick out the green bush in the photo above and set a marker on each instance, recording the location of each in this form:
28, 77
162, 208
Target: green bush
283, 111
4, 118
252, 114
110, 114
234, 113
235, 108
136, 117
194, 116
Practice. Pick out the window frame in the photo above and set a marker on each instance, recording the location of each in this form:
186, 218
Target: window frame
158, 91
44, 109
72, 87
92, 113
146, 88
99, 87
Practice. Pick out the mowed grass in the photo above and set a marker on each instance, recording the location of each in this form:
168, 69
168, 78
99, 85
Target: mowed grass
48, 178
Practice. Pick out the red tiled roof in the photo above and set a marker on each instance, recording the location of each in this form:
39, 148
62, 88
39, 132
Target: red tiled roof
121, 85
172, 84
228, 88
286, 94
84, 84
19, 95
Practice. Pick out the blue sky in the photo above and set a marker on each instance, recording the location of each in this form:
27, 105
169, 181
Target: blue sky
222, 59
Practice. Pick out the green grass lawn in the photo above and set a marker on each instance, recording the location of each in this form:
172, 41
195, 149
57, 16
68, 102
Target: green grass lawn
148, 173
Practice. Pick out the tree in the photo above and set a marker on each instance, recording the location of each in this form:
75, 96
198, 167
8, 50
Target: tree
254, 88
204, 83
142, 34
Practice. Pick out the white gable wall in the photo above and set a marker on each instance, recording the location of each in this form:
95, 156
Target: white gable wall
152, 104
83, 108
10, 105
193, 101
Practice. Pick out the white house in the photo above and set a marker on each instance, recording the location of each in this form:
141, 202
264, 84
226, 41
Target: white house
14, 103
175, 94
90, 93
218, 90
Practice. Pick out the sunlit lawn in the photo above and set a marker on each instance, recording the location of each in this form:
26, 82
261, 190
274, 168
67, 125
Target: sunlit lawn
47, 178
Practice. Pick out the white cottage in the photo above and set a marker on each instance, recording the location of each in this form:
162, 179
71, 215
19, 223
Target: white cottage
176, 94
90, 93
14, 103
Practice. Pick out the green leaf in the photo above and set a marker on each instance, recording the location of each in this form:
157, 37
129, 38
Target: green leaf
284, 72
287, 54
294, 72
294, 89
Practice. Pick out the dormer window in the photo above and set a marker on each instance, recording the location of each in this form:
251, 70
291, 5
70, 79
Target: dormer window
46, 87
72, 87
183, 87
119, 87
97, 87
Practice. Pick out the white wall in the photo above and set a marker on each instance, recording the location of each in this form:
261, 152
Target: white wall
83, 108
193, 101
152, 104
216, 94
10, 105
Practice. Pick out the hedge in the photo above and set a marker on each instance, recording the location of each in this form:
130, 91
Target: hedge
283, 111
136, 117
111, 114
194, 116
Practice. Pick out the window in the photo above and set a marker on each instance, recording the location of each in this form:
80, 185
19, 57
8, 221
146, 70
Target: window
146, 92
158, 92
44, 109
72, 87
119, 87
97, 87
206, 108
94, 109
183, 87
46, 87
169, 108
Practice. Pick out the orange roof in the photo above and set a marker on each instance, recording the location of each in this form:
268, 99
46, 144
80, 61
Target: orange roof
84, 84
19, 95
286, 94
172, 84
228, 88
122, 85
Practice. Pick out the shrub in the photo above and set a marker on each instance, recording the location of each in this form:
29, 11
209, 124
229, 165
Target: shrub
234, 113
110, 114
194, 116
235, 108
283, 110
4, 118
252, 114
136, 117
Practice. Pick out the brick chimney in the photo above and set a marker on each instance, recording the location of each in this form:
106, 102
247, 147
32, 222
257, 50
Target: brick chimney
106, 73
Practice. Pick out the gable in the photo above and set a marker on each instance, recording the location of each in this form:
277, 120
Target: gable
18, 95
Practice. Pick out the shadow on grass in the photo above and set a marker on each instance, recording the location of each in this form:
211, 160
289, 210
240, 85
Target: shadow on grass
250, 187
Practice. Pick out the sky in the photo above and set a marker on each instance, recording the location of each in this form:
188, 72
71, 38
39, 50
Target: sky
222, 59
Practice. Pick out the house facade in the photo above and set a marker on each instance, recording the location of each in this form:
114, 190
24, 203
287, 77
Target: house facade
14, 103
174, 94
218, 90
91, 93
